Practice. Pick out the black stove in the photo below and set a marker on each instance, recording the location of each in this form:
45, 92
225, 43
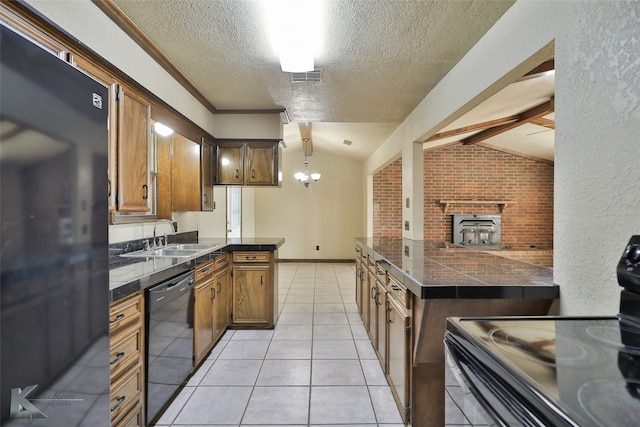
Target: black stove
555, 371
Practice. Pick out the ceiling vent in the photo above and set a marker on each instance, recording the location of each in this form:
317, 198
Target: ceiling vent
310, 76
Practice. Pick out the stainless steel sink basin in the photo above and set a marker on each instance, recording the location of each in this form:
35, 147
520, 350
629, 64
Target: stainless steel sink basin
187, 246
162, 252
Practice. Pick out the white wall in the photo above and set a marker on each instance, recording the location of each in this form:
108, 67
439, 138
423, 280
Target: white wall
328, 213
597, 54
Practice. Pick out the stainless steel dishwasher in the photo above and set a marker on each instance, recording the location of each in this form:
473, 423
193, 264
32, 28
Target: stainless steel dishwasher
169, 332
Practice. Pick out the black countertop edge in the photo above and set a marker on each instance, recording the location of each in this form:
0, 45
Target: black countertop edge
179, 267
462, 291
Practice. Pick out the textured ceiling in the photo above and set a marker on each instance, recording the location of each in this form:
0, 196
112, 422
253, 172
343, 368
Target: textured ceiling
380, 58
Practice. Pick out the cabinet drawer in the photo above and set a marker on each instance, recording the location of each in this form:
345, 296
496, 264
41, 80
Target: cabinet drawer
133, 419
126, 392
204, 272
251, 257
125, 350
125, 313
220, 262
399, 292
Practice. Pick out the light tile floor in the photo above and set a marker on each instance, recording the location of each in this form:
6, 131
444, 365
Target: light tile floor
316, 367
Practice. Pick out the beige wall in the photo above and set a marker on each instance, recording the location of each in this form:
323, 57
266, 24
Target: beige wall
328, 213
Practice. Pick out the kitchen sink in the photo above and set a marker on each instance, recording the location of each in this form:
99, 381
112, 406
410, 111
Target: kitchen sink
162, 252
188, 246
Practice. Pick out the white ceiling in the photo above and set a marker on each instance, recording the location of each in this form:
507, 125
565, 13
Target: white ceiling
380, 58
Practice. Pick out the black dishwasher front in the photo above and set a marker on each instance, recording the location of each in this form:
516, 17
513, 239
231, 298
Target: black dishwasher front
169, 339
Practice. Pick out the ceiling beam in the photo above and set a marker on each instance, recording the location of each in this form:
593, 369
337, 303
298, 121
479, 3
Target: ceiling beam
522, 118
540, 70
471, 128
305, 135
548, 123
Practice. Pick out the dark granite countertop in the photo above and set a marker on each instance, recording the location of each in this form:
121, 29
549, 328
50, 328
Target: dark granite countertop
140, 273
444, 270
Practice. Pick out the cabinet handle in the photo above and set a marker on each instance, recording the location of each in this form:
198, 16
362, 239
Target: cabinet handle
118, 318
213, 294
250, 257
117, 359
205, 270
373, 289
387, 315
237, 173
377, 300
121, 400
205, 197
145, 187
109, 186
219, 287
261, 280
253, 173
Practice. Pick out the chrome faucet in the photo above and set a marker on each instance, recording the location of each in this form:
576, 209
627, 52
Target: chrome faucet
173, 231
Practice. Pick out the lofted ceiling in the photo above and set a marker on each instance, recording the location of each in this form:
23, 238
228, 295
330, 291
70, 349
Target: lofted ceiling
379, 59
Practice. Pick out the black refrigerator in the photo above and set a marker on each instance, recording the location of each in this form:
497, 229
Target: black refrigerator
54, 277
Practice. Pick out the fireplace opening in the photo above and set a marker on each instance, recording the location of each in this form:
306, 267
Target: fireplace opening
477, 231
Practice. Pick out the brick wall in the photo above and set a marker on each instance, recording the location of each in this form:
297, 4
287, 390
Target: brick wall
387, 201
475, 172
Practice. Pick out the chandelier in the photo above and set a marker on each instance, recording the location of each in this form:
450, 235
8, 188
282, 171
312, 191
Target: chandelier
305, 178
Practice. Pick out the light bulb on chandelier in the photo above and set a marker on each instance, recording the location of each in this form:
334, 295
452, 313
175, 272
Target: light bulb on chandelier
305, 178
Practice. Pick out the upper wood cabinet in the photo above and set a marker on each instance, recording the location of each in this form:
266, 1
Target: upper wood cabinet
207, 157
134, 136
185, 174
248, 163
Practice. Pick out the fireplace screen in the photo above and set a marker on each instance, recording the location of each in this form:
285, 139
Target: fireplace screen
478, 231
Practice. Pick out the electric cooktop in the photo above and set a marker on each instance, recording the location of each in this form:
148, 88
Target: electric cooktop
551, 371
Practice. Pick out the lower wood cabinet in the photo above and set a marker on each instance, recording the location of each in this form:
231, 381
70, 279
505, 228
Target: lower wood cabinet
385, 309
126, 353
211, 305
254, 290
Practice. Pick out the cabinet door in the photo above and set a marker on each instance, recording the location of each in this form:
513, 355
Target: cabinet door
251, 295
206, 174
230, 165
260, 165
383, 318
203, 320
221, 303
399, 351
185, 174
106, 79
360, 275
373, 294
134, 136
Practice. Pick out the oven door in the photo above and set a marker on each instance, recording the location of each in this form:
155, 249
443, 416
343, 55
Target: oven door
502, 406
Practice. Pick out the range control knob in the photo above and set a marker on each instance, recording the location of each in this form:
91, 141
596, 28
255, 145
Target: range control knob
632, 253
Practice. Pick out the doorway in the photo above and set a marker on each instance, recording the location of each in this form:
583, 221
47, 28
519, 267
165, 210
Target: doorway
234, 212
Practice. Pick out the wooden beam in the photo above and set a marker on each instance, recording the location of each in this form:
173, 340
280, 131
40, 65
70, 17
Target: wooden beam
548, 123
471, 128
540, 70
522, 118
305, 135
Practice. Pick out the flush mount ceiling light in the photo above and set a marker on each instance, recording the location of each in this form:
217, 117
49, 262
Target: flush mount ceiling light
162, 130
295, 29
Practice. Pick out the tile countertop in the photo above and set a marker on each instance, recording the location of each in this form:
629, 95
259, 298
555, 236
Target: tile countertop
141, 273
433, 270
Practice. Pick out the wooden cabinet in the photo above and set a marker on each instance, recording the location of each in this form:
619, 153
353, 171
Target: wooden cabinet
254, 290
211, 306
385, 309
207, 157
185, 174
134, 137
126, 354
398, 348
248, 163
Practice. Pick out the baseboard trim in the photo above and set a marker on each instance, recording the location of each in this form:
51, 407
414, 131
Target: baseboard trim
317, 260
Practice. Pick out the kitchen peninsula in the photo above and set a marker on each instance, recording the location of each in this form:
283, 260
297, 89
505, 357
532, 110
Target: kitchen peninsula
406, 289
